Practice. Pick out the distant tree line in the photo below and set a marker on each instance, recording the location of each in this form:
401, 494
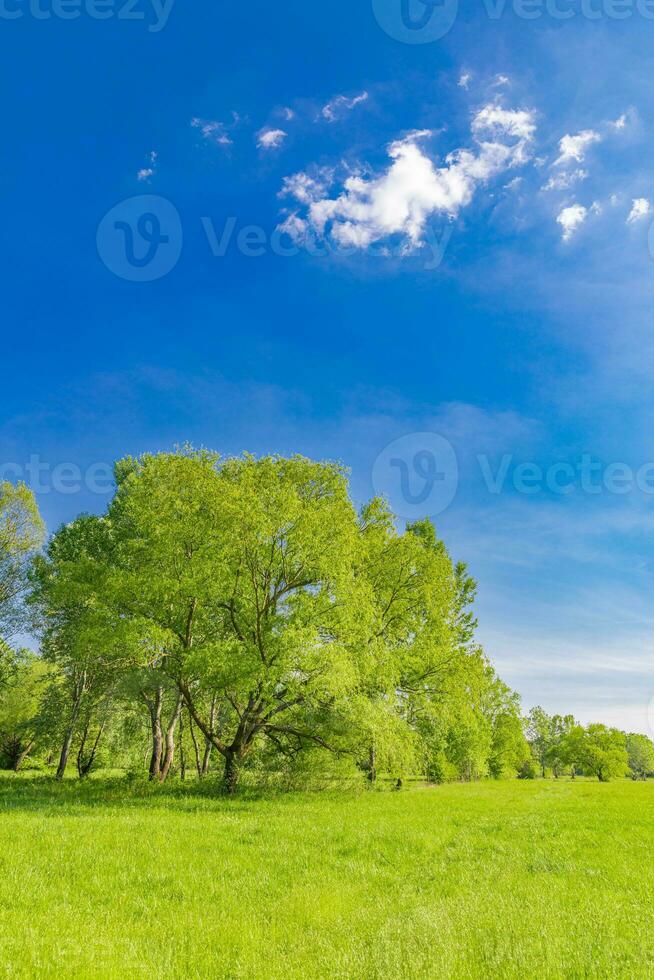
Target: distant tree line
238, 616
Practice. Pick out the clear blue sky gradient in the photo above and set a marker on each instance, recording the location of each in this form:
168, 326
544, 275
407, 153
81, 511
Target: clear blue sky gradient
518, 347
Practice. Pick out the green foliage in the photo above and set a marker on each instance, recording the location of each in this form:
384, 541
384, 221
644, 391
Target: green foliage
21, 534
640, 755
527, 770
24, 678
238, 612
605, 752
599, 751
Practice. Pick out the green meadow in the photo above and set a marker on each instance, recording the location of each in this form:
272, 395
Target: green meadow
547, 878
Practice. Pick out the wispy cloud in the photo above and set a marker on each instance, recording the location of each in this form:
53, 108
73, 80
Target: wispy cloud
573, 148
270, 139
640, 208
340, 104
563, 181
212, 131
145, 173
571, 218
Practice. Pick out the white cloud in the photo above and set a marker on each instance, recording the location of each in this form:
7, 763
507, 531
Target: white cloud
269, 139
464, 79
570, 219
563, 181
402, 199
620, 122
212, 131
640, 207
504, 122
334, 108
502, 80
305, 188
288, 113
574, 147
146, 172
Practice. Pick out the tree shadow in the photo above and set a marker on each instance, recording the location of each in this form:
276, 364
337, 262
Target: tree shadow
45, 795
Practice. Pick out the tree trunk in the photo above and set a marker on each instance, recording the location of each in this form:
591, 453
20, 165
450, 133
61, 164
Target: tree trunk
372, 765
84, 766
65, 752
182, 757
80, 751
196, 748
208, 747
22, 755
78, 693
157, 734
170, 739
232, 771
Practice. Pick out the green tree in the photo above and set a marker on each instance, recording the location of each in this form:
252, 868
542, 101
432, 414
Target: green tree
557, 753
405, 644
509, 748
239, 573
79, 636
21, 534
640, 755
20, 697
605, 752
540, 735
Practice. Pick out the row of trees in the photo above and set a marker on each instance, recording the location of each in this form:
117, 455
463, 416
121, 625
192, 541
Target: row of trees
239, 614
562, 746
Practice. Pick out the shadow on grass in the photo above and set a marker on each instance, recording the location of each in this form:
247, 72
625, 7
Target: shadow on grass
43, 794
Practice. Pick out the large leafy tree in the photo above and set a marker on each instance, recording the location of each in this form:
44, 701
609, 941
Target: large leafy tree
640, 753
240, 574
406, 637
84, 640
541, 733
604, 752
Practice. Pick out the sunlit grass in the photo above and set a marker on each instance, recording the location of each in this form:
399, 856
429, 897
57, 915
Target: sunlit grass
548, 878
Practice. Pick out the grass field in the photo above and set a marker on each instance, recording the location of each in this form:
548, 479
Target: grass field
511, 879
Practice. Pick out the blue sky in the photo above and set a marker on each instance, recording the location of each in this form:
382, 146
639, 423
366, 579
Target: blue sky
470, 282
